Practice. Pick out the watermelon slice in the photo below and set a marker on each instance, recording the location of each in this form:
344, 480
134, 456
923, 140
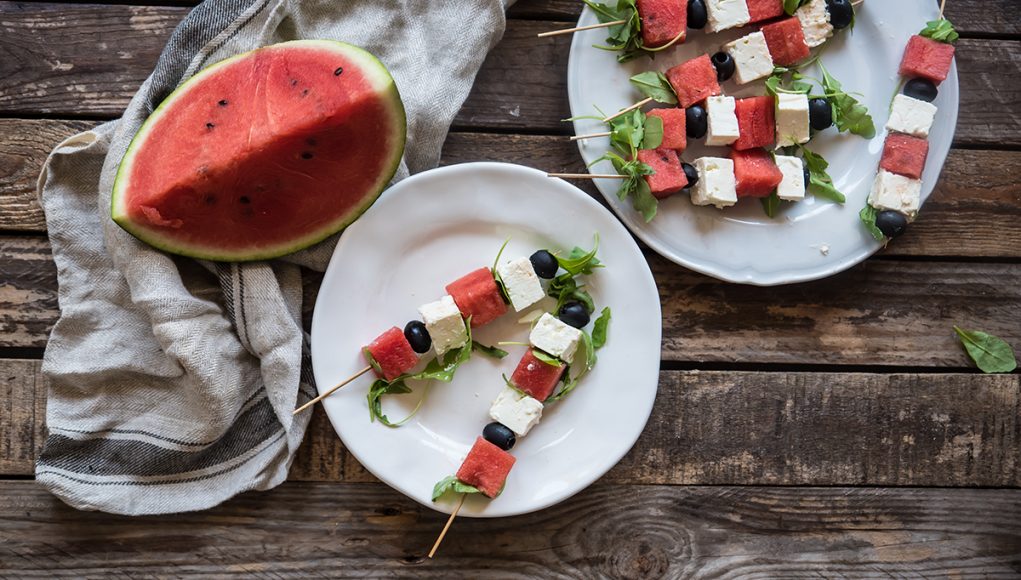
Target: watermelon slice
669, 177
486, 467
786, 42
536, 377
694, 81
391, 355
756, 119
761, 10
904, 155
756, 172
675, 134
477, 296
263, 154
927, 58
662, 21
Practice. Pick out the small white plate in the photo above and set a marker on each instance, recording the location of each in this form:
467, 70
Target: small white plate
811, 239
429, 230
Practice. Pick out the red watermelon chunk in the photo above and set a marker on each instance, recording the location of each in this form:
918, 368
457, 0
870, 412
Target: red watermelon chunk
392, 353
675, 133
477, 296
904, 155
756, 119
536, 377
927, 58
786, 42
694, 81
662, 21
756, 172
669, 177
486, 467
764, 9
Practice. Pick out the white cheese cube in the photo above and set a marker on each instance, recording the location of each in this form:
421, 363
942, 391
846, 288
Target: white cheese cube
896, 192
446, 327
716, 182
523, 286
555, 337
792, 120
911, 116
726, 14
723, 127
815, 22
792, 188
516, 410
751, 57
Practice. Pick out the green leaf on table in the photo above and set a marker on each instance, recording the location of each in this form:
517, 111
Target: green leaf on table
848, 114
490, 351
868, 217
771, 204
377, 391
990, 353
451, 483
940, 30
599, 329
655, 85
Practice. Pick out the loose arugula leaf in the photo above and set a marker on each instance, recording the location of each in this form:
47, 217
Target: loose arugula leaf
377, 391
490, 351
771, 204
940, 30
820, 183
451, 483
599, 329
548, 359
990, 353
579, 261
848, 114
653, 132
655, 85
868, 217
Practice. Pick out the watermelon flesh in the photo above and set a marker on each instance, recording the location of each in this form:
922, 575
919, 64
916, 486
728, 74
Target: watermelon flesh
694, 81
786, 42
904, 155
675, 122
927, 58
486, 467
536, 377
756, 120
662, 21
761, 10
477, 296
756, 172
392, 353
264, 153
669, 176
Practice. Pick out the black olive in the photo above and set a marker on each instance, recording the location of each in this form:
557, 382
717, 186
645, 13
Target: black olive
725, 66
545, 264
891, 223
500, 435
841, 13
808, 174
418, 336
921, 89
574, 314
820, 114
698, 16
691, 173
696, 121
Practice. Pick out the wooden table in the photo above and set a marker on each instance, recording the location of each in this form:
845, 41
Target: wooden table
834, 428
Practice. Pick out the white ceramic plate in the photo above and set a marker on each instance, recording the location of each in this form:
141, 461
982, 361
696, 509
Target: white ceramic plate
811, 239
429, 230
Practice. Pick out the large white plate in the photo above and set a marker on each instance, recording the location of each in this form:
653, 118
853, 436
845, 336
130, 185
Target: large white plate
431, 229
811, 239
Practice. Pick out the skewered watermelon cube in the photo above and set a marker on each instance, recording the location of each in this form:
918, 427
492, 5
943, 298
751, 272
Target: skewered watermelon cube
904, 155
761, 10
392, 353
675, 133
669, 177
927, 58
756, 119
477, 296
694, 81
486, 467
756, 172
662, 21
535, 377
786, 42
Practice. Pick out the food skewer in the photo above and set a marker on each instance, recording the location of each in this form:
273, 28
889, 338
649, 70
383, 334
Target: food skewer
590, 136
580, 28
586, 175
443, 532
331, 391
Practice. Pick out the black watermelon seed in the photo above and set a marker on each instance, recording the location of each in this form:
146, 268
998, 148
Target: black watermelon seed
209, 125
339, 71
222, 103
306, 155
294, 82
304, 93
244, 199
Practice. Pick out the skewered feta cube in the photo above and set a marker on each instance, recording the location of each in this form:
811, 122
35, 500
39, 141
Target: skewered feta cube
723, 125
443, 321
792, 120
716, 182
726, 14
555, 337
896, 192
523, 286
516, 410
751, 57
792, 188
815, 22
911, 116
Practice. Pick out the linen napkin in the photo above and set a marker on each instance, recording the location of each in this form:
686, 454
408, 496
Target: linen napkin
172, 380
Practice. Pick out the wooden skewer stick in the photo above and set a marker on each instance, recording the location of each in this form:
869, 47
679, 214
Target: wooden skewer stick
590, 136
331, 391
581, 28
637, 105
446, 527
942, 5
586, 175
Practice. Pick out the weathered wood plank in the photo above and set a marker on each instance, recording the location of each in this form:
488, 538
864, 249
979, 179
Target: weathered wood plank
22, 415
69, 60
301, 530
28, 298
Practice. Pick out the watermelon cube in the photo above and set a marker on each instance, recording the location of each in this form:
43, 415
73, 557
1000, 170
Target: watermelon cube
675, 133
761, 10
392, 354
927, 58
756, 172
477, 296
535, 377
756, 119
669, 177
662, 21
786, 42
904, 155
694, 81
486, 467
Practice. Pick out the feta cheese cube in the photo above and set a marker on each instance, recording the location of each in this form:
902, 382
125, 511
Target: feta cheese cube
792, 120
516, 410
726, 14
716, 182
792, 188
751, 57
896, 192
523, 286
723, 127
815, 22
555, 337
911, 116
446, 327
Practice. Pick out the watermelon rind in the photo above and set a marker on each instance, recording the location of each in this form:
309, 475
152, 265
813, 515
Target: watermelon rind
371, 67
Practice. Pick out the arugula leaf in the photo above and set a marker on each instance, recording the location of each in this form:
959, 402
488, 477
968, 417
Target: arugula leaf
627, 132
565, 287
625, 38
572, 383
771, 204
777, 83
848, 114
372, 361
451, 483
868, 217
820, 183
548, 359
599, 329
990, 353
655, 85
940, 30
791, 6
496, 275
377, 391
579, 261
490, 351
653, 132
634, 172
